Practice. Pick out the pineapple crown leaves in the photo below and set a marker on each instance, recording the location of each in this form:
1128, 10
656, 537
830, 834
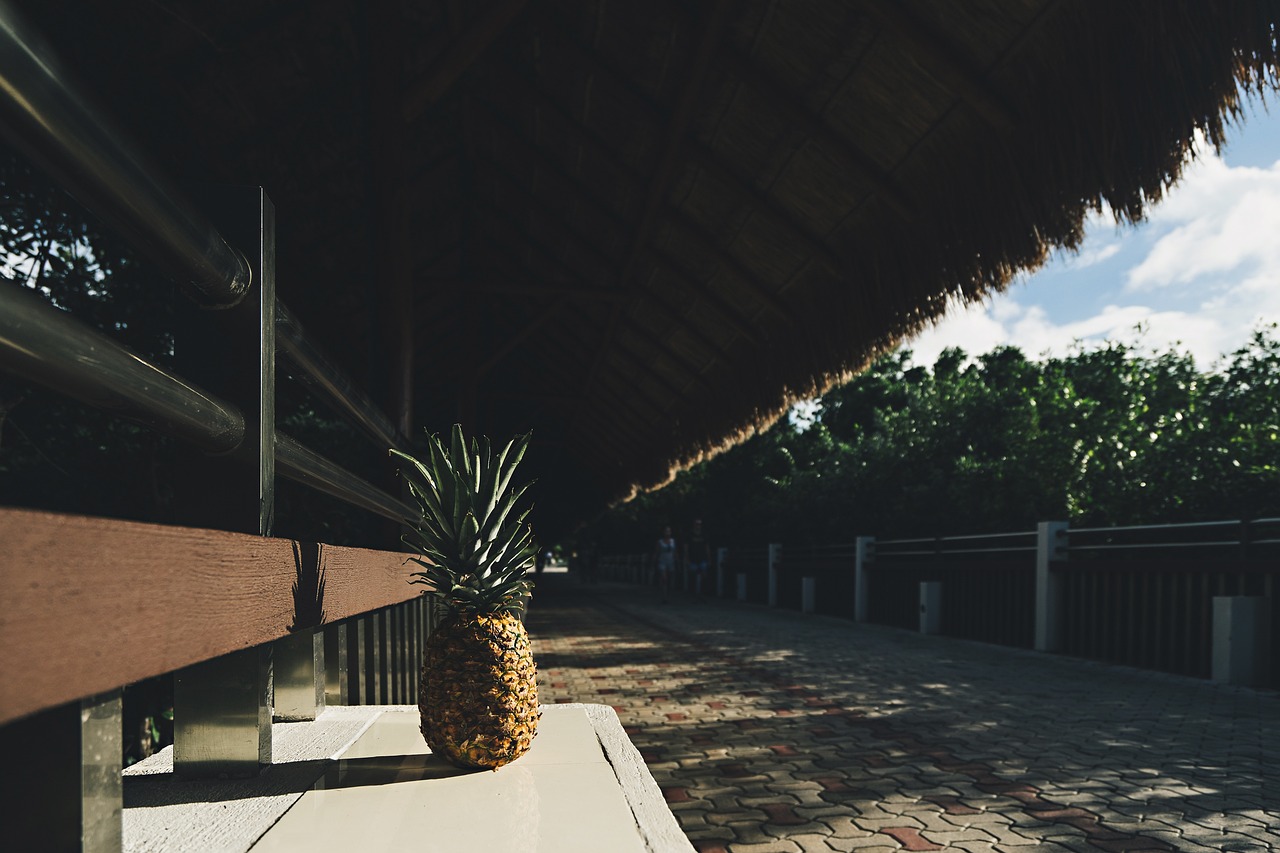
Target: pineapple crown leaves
475, 551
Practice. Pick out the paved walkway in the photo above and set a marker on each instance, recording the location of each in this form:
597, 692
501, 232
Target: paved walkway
773, 731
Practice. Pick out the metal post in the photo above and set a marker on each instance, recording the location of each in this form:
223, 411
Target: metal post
335, 664
1241, 632
222, 715
299, 676
357, 661
1051, 547
222, 707
722, 556
65, 791
775, 556
864, 555
374, 689
931, 607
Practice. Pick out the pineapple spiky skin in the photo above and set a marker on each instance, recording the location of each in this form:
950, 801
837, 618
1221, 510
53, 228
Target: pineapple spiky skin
479, 694
479, 698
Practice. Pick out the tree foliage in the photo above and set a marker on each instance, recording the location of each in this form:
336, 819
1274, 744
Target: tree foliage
1114, 435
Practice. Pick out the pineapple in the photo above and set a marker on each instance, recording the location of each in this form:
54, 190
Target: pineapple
478, 694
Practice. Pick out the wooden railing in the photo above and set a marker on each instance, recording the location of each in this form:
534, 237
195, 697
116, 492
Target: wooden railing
249, 625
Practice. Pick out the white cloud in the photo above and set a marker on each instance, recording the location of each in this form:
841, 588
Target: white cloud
1210, 274
1090, 256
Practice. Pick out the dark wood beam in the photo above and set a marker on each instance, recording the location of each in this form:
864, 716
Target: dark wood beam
511, 342
758, 200
726, 260
464, 51
944, 62
393, 252
677, 128
789, 104
652, 299
587, 196
530, 288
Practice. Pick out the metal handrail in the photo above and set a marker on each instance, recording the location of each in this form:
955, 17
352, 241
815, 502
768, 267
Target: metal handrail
1131, 527
1130, 546
327, 380
303, 465
1024, 533
50, 347
46, 118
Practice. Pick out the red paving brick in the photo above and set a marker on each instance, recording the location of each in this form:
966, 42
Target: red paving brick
763, 726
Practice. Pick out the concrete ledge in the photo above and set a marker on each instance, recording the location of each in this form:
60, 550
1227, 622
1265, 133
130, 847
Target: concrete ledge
362, 777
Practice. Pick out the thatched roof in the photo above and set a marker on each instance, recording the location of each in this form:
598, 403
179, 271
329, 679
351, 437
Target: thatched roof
643, 229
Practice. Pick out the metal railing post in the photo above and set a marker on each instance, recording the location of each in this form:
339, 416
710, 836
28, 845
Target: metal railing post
66, 762
299, 676
357, 661
775, 555
335, 664
1051, 547
222, 707
864, 555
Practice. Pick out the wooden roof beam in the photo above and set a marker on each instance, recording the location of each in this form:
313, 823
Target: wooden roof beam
573, 292
709, 243
791, 105
676, 130
727, 311
652, 297
949, 67
510, 343
460, 55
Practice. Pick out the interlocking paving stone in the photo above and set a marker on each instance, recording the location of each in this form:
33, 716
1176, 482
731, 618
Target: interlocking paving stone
772, 731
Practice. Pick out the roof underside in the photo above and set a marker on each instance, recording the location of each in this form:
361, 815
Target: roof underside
642, 229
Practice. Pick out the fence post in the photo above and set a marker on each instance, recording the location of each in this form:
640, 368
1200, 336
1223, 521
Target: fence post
864, 555
722, 554
808, 595
1051, 547
931, 607
335, 664
775, 556
1240, 632
66, 792
222, 707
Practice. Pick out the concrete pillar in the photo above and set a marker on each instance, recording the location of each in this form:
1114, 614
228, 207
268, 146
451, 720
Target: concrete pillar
1241, 630
931, 607
1051, 586
742, 586
864, 555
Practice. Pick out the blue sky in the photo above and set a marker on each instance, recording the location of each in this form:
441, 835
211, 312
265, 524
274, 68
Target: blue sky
1200, 274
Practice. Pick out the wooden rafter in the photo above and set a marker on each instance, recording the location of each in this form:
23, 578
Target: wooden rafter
689, 225
582, 244
589, 197
660, 181
511, 342
390, 226
462, 52
945, 62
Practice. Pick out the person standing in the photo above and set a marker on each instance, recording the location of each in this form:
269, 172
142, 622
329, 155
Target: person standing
665, 560
697, 557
